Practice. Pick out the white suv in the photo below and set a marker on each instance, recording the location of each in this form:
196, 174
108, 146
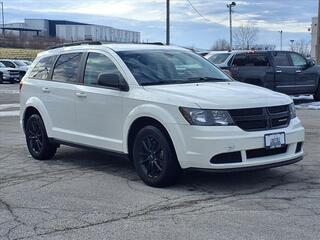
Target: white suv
164, 107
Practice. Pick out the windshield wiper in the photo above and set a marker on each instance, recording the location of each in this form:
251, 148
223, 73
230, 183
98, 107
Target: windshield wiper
207, 79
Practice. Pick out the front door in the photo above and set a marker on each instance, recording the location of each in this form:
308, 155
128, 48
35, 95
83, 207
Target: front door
98, 108
306, 77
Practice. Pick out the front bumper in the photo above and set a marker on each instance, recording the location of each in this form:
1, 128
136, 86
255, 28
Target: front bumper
197, 145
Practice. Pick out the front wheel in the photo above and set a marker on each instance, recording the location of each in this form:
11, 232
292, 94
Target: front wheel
154, 158
38, 143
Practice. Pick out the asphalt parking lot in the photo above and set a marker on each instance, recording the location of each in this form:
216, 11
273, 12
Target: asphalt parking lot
84, 194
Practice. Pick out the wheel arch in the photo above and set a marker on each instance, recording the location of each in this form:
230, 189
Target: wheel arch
35, 106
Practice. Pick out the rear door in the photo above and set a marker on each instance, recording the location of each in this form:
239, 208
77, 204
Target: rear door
285, 73
305, 76
59, 96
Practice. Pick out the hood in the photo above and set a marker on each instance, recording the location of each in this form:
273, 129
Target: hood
7, 69
219, 95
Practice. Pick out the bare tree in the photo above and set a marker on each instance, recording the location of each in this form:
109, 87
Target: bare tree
220, 45
302, 46
245, 36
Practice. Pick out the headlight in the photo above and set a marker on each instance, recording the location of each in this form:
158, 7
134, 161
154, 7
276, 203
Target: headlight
6, 72
292, 109
202, 117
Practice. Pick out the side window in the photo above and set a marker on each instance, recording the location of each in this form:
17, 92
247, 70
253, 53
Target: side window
42, 68
258, 60
281, 59
67, 68
298, 60
239, 60
98, 63
251, 60
8, 64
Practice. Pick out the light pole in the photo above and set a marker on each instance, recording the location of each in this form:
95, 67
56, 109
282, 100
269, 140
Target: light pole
168, 23
230, 6
2, 14
281, 32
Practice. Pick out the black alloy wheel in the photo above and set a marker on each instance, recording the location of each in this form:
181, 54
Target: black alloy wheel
154, 158
38, 143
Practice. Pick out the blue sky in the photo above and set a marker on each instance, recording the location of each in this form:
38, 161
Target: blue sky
188, 28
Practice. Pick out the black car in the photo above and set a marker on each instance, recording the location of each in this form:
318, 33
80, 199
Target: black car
282, 71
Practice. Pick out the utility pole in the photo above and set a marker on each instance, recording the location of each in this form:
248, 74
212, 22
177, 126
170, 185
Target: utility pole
230, 21
2, 14
281, 32
318, 35
168, 23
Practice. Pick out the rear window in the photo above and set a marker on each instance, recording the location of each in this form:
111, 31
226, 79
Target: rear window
67, 68
251, 60
42, 68
219, 58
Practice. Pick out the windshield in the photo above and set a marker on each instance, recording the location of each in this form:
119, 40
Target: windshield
2, 65
19, 63
219, 58
151, 67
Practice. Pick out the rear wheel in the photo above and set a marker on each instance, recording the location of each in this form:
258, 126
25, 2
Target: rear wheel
1, 79
38, 143
154, 158
316, 96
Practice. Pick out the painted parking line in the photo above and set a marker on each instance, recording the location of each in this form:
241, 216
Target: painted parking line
9, 91
9, 105
9, 113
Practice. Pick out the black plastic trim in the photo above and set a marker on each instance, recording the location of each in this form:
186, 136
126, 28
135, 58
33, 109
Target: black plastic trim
251, 168
82, 146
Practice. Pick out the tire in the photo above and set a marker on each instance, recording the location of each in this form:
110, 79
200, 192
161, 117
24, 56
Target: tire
154, 158
316, 96
38, 143
1, 79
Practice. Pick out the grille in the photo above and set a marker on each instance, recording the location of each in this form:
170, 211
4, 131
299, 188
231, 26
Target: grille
259, 119
14, 72
263, 152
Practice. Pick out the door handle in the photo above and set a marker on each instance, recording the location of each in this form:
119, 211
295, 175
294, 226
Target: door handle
279, 71
298, 71
45, 90
81, 94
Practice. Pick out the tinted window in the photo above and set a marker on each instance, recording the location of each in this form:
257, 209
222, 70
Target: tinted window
19, 63
67, 68
219, 58
251, 60
42, 68
281, 59
96, 64
170, 67
8, 64
298, 60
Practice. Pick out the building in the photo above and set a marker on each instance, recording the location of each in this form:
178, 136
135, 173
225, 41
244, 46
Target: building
70, 31
314, 36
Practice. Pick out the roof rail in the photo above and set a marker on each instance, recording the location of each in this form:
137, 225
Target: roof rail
75, 44
154, 43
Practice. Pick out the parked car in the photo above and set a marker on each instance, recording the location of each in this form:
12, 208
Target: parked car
281, 71
18, 65
8, 74
27, 62
164, 107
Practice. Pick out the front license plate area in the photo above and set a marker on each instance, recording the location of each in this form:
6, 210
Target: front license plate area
275, 140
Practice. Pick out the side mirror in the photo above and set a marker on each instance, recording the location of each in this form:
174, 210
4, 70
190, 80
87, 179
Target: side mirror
111, 80
311, 62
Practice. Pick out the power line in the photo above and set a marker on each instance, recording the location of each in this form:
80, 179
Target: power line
201, 15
